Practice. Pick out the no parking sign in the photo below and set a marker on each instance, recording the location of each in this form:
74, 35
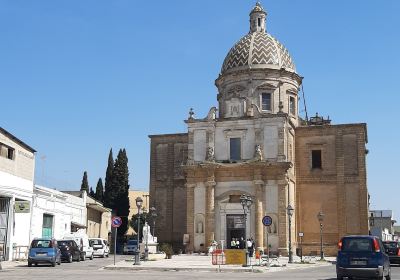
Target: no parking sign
116, 222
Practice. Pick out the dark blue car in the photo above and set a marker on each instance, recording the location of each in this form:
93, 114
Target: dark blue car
362, 256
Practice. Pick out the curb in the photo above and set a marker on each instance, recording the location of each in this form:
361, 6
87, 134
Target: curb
204, 269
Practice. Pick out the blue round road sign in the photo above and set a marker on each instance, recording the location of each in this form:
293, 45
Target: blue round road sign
267, 221
116, 221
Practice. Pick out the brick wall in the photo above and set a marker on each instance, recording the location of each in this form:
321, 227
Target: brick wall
167, 186
338, 188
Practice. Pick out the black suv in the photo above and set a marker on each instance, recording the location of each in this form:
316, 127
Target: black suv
69, 250
392, 248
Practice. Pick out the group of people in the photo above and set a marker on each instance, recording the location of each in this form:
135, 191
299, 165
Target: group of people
248, 244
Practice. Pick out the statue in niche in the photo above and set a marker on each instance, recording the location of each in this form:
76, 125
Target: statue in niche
258, 154
210, 154
200, 227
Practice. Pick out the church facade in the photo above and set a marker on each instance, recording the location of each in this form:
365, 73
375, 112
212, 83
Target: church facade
255, 144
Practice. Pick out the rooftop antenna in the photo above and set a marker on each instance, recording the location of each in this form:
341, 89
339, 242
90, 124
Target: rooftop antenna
304, 101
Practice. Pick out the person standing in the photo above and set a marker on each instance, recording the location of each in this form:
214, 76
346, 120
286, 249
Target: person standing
250, 247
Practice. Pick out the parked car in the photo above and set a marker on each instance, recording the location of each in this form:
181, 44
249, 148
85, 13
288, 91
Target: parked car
69, 250
100, 247
44, 250
130, 247
393, 250
362, 256
82, 241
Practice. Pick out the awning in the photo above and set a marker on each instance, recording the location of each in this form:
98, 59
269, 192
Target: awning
98, 207
77, 225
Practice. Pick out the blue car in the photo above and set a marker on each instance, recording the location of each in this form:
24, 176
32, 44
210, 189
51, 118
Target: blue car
362, 256
44, 250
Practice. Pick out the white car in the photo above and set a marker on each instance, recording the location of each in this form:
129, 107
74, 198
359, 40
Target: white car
100, 247
83, 243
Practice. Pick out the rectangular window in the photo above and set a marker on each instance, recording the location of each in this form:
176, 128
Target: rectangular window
292, 105
316, 159
6, 151
235, 148
266, 101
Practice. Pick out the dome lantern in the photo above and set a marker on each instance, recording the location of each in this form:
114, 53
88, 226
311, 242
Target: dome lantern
257, 19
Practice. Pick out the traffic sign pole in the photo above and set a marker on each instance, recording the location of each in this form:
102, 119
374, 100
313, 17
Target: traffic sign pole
115, 243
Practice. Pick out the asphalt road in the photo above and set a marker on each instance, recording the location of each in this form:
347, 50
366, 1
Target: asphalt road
93, 270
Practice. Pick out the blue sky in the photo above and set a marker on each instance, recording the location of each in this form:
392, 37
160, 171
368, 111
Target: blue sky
80, 77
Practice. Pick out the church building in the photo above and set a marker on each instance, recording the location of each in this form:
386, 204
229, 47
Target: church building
255, 146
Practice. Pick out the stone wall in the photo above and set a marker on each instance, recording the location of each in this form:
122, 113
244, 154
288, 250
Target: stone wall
167, 186
338, 188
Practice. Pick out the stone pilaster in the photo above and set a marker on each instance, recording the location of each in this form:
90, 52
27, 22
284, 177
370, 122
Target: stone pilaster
210, 212
190, 215
259, 209
283, 227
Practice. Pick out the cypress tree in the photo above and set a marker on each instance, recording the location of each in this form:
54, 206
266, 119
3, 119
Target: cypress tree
91, 193
120, 188
85, 184
99, 190
108, 197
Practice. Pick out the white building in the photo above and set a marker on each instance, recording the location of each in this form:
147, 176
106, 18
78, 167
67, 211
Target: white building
56, 214
17, 169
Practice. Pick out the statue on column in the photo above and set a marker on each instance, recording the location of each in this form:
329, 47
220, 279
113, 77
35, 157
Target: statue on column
210, 154
258, 154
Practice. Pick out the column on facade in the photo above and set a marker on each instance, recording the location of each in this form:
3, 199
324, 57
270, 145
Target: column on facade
283, 222
190, 215
210, 212
259, 209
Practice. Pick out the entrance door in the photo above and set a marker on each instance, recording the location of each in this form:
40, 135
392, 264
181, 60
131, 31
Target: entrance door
47, 229
4, 208
235, 228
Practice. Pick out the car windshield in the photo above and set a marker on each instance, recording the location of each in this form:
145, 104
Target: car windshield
390, 245
95, 242
63, 243
357, 244
41, 244
132, 242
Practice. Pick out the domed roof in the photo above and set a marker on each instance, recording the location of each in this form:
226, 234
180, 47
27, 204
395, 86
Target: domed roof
258, 48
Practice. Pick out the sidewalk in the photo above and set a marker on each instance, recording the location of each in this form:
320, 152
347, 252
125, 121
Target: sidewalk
6, 265
197, 262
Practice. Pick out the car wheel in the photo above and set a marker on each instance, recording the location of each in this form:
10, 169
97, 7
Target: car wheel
107, 255
91, 257
29, 264
339, 277
36, 264
70, 258
84, 257
389, 275
79, 258
53, 264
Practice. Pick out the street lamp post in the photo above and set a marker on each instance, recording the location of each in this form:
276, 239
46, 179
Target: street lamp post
320, 217
139, 203
246, 202
290, 211
146, 238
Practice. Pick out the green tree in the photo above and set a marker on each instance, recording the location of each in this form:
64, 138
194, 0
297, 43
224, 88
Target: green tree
85, 184
120, 190
99, 190
108, 196
133, 222
91, 193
